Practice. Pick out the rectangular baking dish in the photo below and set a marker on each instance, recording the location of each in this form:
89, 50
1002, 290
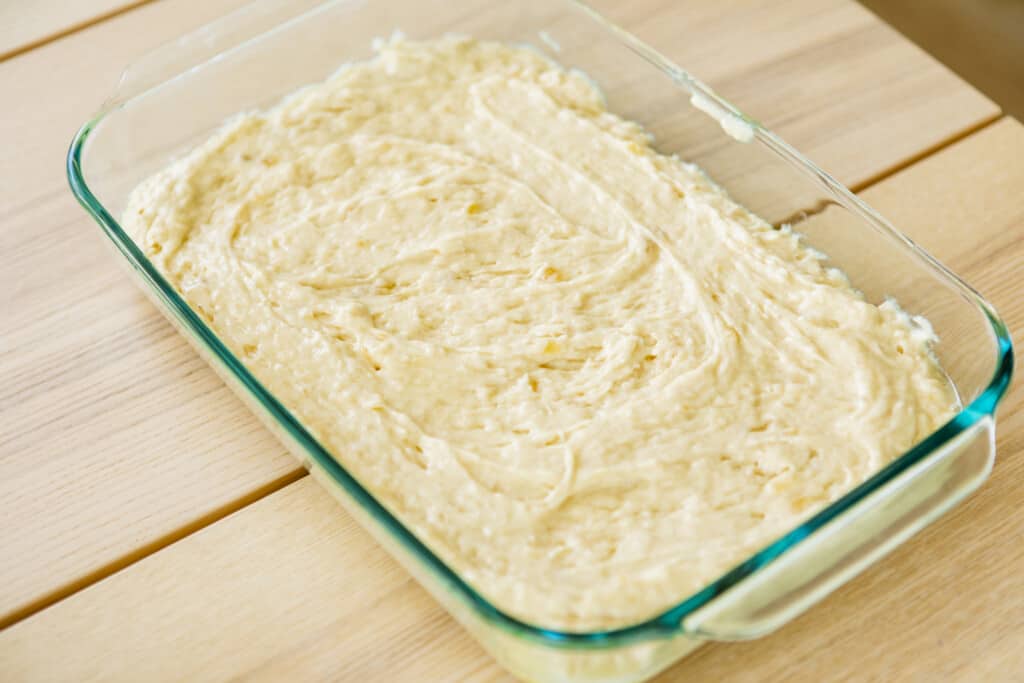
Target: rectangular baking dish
175, 97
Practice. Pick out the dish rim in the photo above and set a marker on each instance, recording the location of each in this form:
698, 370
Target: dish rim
669, 622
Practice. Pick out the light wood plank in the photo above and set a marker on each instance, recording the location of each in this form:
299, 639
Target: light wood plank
829, 78
114, 439
104, 412
289, 587
27, 24
281, 556
982, 40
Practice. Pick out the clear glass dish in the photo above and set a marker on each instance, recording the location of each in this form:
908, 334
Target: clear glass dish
176, 96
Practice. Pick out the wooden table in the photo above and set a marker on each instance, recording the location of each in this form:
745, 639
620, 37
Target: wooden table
152, 530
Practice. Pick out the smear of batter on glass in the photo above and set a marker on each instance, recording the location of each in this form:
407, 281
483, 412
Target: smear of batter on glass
572, 366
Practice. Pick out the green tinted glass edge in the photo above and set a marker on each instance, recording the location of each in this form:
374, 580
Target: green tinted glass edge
666, 624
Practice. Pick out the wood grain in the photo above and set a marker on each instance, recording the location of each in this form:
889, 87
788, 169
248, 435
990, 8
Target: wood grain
24, 25
819, 74
103, 410
290, 588
280, 560
983, 41
115, 439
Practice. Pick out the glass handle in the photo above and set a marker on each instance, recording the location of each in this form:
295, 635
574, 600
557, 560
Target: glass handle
849, 543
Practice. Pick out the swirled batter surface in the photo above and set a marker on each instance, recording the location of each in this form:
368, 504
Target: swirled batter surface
574, 367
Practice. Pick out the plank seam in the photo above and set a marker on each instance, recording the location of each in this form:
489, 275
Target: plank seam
913, 159
70, 30
150, 548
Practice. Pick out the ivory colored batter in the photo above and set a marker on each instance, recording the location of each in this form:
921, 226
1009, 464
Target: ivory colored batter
576, 369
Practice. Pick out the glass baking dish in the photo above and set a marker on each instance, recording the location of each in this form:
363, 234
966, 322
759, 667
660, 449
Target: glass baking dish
175, 97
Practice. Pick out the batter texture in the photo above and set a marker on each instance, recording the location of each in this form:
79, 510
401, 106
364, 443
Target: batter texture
572, 366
